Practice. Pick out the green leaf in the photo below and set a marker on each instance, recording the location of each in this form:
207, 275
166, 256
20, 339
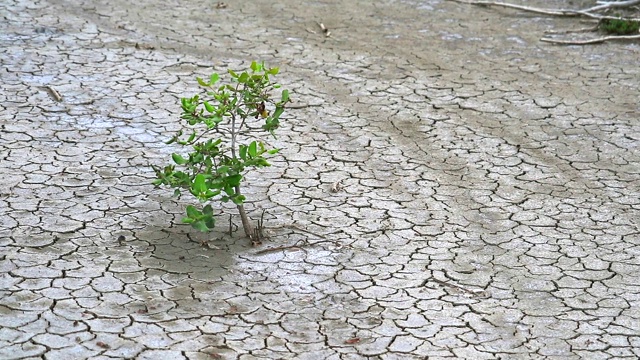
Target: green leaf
208, 195
176, 193
243, 78
202, 82
200, 225
200, 184
233, 180
209, 107
233, 74
174, 138
197, 158
214, 78
187, 220
285, 96
273, 151
208, 163
192, 212
193, 136
207, 210
178, 159
273, 71
277, 113
253, 149
238, 200
255, 66
243, 152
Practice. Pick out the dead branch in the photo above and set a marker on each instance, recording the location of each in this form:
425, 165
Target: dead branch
554, 12
573, 31
53, 93
589, 12
300, 244
284, 247
591, 41
301, 106
605, 5
470, 292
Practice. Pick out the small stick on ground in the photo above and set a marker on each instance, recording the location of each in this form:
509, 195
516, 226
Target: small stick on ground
588, 12
560, 12
591, 41
324, 29
458, 287
555, 12
283, 247
54, 94
569, 31
300, 243
301, 106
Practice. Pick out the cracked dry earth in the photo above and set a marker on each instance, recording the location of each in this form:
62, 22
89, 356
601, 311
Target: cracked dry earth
488, 203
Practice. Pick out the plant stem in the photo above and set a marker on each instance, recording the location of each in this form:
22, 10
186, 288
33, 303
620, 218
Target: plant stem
246, 224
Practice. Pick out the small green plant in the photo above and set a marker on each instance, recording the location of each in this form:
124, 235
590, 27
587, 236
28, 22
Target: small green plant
619, 26
223, 140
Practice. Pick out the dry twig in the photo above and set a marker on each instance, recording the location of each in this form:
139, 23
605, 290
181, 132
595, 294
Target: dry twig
561, 12
300, 243
324, 29
588, 12
301, 106
471, 292
591, 41
283, 247
54, 94
573, 31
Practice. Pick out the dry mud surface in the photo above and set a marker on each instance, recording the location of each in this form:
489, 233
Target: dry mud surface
489, 204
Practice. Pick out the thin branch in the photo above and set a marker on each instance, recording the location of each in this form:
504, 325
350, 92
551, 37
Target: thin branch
559, 12
573, 31
297, 246
215, 129
300, 244
555, 12
54, 94
604, 5
590, 41
301, 106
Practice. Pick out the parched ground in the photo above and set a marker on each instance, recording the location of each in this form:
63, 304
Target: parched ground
489, 197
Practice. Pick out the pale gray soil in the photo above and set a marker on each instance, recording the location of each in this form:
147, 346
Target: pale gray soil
490, 186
